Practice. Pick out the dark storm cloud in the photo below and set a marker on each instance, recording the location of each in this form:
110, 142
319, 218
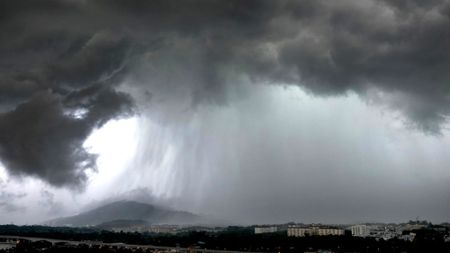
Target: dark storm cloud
60, 59
329, 48
38, 138
57, 83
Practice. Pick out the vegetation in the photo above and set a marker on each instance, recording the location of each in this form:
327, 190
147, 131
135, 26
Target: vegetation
239, 238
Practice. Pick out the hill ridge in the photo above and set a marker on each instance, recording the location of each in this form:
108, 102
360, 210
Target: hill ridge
127, 210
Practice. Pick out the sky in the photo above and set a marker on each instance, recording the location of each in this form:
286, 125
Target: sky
247, 111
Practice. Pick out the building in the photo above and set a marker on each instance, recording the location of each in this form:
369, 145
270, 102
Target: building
300, 231
164, 229
297, 231
360, 230
265, 229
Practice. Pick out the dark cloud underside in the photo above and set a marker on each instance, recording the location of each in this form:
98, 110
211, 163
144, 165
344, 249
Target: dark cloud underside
61, 58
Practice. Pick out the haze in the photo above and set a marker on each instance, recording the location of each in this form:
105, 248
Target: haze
247, 111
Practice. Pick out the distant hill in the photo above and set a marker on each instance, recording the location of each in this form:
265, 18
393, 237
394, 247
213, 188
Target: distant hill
127, 211
110, 225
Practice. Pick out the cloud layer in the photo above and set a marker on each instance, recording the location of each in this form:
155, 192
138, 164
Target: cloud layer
62, 61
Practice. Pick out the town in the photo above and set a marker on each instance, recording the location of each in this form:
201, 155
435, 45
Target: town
413, 236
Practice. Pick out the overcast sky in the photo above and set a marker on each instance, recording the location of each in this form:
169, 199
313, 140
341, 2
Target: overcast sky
248, 111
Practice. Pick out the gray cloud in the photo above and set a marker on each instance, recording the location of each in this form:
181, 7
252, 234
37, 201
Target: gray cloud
56, 85
62, 61
9, 207
39, 139
48, 201
7, 200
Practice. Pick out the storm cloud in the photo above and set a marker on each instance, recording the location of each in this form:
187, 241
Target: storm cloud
64, 64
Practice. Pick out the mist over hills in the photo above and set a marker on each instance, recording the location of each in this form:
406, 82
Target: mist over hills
129, 212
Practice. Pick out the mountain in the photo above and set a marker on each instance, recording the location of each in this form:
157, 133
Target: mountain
111, 225
127, 211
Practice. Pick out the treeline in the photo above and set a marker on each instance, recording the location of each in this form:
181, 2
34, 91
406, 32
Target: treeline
242, 239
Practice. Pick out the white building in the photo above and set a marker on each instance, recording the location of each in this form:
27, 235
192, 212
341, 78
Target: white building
265, 229
297, 231
360, 230
300, 231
